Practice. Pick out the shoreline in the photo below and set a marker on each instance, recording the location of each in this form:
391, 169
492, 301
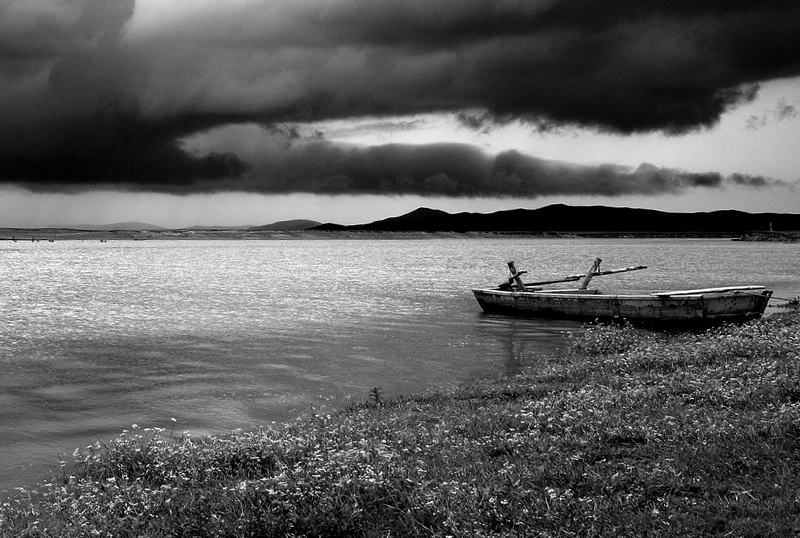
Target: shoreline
44, 235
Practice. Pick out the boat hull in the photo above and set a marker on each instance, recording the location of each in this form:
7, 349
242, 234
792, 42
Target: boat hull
701, 308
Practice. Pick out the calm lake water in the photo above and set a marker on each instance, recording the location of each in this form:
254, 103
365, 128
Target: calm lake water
95, 337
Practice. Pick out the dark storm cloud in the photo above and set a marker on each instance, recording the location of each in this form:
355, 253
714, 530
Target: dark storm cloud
70, 112
103, 91
622, 65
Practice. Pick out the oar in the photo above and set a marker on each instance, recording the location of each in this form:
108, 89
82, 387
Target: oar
573, 278
609, 272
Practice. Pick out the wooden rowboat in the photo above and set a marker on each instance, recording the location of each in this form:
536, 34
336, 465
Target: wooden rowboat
703, 306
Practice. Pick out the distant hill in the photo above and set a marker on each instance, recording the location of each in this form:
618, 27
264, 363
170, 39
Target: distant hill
577, 219
128, 226
200, 228
285, 226
288, 225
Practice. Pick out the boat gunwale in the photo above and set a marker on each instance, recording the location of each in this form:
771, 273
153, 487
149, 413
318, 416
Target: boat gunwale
596, 294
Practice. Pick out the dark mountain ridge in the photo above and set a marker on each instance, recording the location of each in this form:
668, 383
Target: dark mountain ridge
576, 219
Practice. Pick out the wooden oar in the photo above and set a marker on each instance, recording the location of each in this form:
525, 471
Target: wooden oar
610, 272
573, 278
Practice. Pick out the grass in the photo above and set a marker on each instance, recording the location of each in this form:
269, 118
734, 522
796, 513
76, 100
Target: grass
626, 434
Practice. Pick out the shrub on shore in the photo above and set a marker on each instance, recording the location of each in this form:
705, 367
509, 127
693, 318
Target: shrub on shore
629, 433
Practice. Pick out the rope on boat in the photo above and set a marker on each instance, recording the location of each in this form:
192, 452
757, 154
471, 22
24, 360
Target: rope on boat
794, 300
755, 294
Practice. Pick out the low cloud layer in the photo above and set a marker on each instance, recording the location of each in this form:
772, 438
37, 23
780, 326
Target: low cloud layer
101, 92
455, 170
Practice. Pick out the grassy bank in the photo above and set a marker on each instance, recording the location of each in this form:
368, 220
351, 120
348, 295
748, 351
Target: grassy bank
626, 434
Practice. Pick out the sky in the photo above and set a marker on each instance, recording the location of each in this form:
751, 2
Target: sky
248, 112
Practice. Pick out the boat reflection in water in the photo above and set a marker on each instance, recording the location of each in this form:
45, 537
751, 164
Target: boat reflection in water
526, 342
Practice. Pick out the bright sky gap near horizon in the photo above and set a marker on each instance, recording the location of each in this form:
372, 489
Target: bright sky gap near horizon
244, 112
